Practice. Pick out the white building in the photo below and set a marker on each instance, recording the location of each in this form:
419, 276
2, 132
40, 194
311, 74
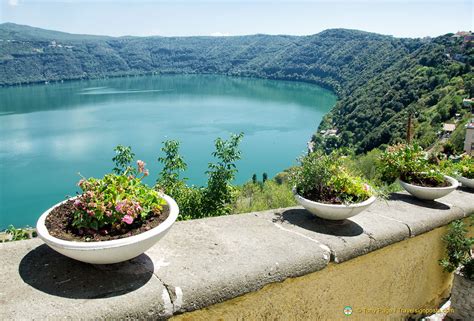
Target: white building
469, 141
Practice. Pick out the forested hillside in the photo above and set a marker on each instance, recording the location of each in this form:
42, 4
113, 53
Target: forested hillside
338, 59
378, 78
428, 83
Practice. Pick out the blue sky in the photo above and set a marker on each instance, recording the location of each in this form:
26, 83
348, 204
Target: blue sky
403, 18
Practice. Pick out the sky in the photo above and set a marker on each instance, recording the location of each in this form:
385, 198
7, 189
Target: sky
402, 18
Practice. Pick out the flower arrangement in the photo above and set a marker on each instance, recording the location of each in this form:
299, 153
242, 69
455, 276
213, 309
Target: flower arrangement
410, 164
115, 201
324, 178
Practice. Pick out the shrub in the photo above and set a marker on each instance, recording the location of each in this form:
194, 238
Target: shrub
459, 167
219, 193
324, 178
258, 197
197, 202
123, 159
410, 164
169, 178
458, 249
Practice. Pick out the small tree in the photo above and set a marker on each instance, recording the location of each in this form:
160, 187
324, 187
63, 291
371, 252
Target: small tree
254, 178
123, 160
219, 193
264, 177
169, 177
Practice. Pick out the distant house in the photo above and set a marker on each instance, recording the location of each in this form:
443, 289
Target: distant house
469, 141
449, 128
331, 132
468, 102
461, 34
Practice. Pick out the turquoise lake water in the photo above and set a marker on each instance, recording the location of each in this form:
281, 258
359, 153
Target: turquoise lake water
49, 133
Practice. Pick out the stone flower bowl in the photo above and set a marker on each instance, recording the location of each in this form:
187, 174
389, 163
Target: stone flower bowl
430, 193
333, 211
466, 182
108, 252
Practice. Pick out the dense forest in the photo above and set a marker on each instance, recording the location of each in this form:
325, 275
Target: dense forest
377, 78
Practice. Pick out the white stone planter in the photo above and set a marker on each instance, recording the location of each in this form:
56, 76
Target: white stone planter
462, 298
108, 252
430, 193
466, 182
333, 211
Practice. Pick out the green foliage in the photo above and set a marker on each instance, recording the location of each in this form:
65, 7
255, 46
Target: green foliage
369, 167
409, 163
115, 200
458, 249
123, 160
219, 193
459, 167
252, 197
196, 202
427, 82
173, 163
17, 234
326, 178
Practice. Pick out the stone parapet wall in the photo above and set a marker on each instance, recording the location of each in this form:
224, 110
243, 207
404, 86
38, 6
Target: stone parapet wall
278, 264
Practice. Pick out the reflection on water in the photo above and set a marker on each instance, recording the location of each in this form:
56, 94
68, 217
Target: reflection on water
48, 133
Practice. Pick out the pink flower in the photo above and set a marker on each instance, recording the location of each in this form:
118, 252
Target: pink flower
141, 166
81, 181
146, 172
366, 187
119, 206
127, 219
77, 203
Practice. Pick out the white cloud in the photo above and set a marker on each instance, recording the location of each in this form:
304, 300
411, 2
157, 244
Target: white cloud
220, 34
13, 3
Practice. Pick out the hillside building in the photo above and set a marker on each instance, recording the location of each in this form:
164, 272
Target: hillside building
469, 141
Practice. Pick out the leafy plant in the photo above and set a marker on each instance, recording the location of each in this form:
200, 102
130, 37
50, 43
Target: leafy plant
462, 167
324, 178
115, 201
17, 234
219, 192
173, 163
123, 160
196, 202
410, 164
458, 249
465, 167
258, 197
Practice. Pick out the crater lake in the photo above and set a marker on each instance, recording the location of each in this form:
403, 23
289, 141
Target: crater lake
50, 133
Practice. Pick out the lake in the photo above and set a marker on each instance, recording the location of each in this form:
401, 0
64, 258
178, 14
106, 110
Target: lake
49, 133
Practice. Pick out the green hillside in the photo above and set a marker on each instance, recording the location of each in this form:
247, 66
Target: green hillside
428, 83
